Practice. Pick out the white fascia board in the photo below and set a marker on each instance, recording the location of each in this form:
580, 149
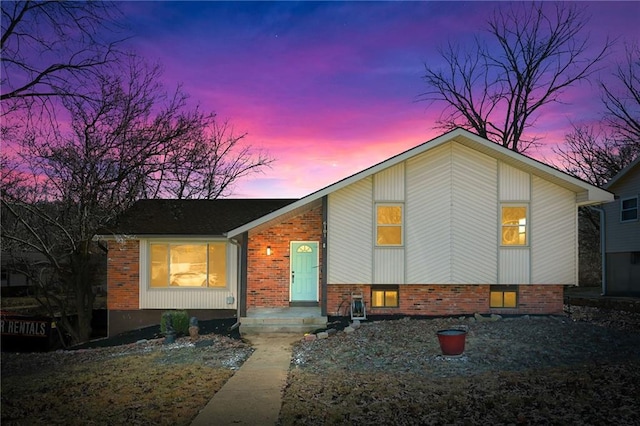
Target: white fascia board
345, 182
592, 194
622, 173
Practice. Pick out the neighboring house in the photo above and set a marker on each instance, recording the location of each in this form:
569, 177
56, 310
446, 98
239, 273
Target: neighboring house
12, 281
622, 234
15, 282
455, 226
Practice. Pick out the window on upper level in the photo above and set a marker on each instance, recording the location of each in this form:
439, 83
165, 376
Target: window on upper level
514, 227
187, 264
389, 225
629, 209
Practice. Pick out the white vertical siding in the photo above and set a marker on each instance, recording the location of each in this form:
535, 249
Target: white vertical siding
350, 234
515, 185
553, 234
514, 266
474, 243
389, 184
427, 221
188, 298
389, 266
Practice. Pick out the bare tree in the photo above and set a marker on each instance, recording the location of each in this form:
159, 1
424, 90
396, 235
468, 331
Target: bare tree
621, 98
123, 143
596, 155
498, 87
48, 47
593, 155
209, 164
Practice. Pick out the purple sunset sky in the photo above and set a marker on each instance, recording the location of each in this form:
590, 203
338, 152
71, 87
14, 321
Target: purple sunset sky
331, 88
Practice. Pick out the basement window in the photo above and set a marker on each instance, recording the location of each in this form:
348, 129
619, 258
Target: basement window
504, 296
385, 297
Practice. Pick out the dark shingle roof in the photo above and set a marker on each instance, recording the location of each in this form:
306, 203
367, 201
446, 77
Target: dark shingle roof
190, 217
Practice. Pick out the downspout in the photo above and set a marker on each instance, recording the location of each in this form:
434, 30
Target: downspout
323, 284
603, 241
238, 283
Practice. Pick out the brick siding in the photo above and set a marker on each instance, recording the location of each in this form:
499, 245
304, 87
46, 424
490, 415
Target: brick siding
123, 275
268, 276
450, 299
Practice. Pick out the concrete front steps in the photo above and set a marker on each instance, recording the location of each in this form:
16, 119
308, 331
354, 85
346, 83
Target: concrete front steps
282, 320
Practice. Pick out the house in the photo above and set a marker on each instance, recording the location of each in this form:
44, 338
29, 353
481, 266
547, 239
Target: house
621, 234
454, 226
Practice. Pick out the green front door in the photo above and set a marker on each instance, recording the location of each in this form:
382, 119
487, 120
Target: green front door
304, 271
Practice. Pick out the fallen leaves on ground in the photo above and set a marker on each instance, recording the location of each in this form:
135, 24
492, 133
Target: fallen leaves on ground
523, 370
139, 384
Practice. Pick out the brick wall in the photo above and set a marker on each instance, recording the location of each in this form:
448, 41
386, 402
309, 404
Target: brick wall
268, 276
443, 300
123, 287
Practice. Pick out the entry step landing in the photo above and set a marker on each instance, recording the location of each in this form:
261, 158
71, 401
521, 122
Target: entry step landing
282, 320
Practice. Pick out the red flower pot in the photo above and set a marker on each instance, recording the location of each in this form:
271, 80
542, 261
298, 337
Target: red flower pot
452, 341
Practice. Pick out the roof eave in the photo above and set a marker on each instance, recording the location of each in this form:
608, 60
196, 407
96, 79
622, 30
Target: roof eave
587, 194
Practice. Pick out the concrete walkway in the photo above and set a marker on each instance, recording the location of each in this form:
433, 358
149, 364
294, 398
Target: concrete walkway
253, 395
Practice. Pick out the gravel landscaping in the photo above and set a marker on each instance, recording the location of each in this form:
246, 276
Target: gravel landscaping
582, 369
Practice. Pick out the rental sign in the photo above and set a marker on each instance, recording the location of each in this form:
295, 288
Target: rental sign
23, 327
22, 332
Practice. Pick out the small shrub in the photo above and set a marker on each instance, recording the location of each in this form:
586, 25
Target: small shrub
179, 320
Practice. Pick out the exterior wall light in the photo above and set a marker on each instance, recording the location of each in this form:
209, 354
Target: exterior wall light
268, 250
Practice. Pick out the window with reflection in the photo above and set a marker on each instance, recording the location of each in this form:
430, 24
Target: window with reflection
188, 265
514, 226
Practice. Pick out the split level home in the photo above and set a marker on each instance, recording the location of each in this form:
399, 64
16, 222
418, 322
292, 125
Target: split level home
455, 226
621, 235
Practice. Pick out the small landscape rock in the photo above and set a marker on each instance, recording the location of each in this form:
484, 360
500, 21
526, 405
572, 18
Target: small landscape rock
310, 337
323, 335
204, 343
349, 329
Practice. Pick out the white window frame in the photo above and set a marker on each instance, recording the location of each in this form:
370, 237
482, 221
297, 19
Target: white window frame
527, 225
622, 209
206, 242
376, 225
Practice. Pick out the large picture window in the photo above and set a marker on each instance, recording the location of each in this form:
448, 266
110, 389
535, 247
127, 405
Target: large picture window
514, 227
389, 225
188, 265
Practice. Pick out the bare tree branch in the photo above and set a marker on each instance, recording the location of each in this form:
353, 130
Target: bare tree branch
499, 91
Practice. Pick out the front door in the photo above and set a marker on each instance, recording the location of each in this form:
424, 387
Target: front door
304, 271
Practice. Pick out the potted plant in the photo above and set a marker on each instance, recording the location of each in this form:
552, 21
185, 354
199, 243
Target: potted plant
452, 341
